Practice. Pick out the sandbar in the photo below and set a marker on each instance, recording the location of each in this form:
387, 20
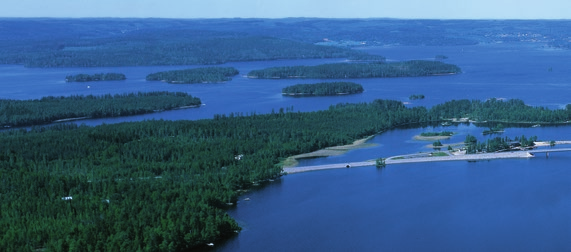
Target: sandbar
329, 151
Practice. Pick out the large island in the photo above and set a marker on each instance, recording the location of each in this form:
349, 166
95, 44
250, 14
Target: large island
195, 75
411, 68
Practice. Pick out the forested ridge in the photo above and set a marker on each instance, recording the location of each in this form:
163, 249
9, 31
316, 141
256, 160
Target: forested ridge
323, 89
49, 109
195, 75
95, 77
121, 42
163, 185
170, 47
358, 70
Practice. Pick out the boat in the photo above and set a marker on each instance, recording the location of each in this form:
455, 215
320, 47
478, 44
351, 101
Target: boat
210, 244
446, 124
536, 125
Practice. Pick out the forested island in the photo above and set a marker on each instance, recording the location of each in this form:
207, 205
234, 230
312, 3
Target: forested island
195, 75
130, 184
441, 133
416, 97
323, 89
14, 113
494, 130
411, 68
95, 77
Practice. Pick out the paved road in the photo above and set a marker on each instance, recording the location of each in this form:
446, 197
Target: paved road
390, 161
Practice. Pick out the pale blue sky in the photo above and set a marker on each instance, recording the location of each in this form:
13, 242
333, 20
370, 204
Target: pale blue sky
434, 9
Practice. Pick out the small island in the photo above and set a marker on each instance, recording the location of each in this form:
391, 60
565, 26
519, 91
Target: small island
95, 77
195, 75
416, 97
411, 68
494, 130
323, 89
433, 136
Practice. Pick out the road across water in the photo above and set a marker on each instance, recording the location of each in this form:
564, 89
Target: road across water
393, 160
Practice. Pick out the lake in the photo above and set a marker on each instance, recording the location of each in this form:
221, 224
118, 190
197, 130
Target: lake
499, 205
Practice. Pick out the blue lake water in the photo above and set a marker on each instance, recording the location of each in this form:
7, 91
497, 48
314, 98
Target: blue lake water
499, 205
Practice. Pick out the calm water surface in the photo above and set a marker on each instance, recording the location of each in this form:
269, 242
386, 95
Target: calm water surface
500, 205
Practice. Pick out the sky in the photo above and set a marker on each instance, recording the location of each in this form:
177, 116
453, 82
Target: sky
408, 9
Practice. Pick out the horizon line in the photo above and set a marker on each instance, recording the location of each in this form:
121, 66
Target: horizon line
277, 18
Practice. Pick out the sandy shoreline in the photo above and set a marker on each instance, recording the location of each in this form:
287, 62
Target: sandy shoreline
430, 138
329, 151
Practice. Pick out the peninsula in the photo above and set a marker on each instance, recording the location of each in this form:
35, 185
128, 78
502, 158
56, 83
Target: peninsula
17, 113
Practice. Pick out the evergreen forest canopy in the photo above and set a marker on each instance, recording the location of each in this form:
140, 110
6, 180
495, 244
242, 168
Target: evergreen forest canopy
411, 68
138, 42
163, 185
95, 77
498, 144
494, 110
50, 109
323, 89
195, 75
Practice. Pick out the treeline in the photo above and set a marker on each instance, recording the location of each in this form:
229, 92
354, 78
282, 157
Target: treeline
95, 77
161, 185
195, 75
358, 70
513, 110
498, 144
323, 89
50, 109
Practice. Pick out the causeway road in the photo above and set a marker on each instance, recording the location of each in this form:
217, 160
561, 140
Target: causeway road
422, 159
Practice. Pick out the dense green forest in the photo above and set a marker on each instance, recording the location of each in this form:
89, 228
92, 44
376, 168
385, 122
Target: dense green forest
195, 75
358, 70
95, 77
164, 185
494, 110
50, 109
323, 89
